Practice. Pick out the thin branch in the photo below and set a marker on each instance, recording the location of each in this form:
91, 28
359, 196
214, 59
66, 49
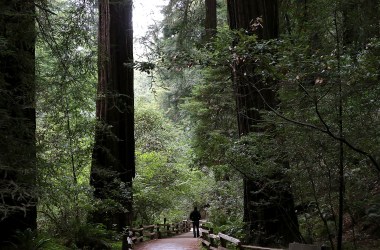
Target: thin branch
325, 131
44, 9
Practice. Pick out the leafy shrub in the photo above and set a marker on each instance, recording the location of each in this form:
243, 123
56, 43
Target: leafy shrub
89, 236
28, 240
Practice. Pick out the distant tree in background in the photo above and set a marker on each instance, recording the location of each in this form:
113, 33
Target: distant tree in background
210, 19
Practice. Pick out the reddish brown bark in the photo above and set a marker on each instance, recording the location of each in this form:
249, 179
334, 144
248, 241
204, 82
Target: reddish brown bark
113, 154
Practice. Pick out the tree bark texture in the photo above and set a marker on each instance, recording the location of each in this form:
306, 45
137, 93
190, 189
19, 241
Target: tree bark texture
211, 19
113, 165
17, 118
243, 13
268, 212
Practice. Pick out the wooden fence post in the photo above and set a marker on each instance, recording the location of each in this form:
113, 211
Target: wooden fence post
212, 241
223, 242
158, 231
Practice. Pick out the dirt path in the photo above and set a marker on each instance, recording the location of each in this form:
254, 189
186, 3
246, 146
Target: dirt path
180, 242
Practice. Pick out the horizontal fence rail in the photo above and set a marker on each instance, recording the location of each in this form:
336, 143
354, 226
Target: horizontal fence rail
209, 239
156, 231
221, 241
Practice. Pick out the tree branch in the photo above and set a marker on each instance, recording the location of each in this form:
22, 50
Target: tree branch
44, 9
325, 131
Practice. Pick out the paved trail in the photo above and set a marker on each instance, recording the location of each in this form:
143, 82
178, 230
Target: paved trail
180, 242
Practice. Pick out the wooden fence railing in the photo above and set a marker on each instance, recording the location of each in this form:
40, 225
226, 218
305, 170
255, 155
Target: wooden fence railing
221, 241
209, 239
156, 231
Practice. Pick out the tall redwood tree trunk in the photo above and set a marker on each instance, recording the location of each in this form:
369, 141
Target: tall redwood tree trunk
17, 118
113, 156
268, 209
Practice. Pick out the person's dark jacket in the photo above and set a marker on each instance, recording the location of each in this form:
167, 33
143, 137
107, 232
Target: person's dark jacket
195, 215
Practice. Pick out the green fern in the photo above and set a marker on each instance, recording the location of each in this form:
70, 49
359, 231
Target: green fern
28, 240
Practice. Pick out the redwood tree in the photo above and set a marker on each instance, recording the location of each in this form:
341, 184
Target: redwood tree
113, 156
17, 118
268, 208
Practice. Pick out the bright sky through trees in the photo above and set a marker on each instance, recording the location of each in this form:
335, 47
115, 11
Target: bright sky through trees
145, 13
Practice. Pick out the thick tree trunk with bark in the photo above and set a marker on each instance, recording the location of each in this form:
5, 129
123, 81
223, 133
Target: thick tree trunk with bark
17, 118
113, 155
268, 208
243, 13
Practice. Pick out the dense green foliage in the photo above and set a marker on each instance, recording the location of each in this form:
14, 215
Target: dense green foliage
321, 138
66, 59
325, 68
165, 186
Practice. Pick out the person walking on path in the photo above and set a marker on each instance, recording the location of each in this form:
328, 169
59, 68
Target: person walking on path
195, 216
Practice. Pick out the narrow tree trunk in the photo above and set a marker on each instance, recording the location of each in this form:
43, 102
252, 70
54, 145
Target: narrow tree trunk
341, 147
211, 19
17, 118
